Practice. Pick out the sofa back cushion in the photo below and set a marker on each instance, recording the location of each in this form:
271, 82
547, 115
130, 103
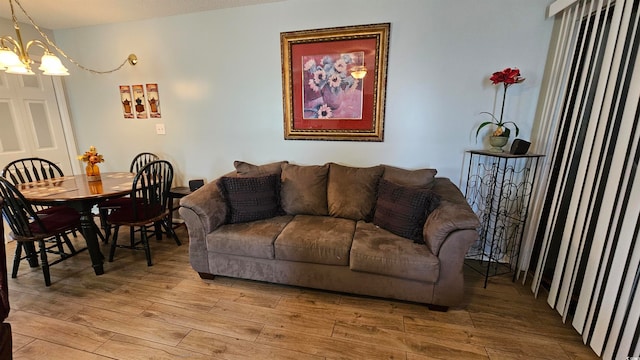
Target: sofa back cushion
250, 198
245, 169
422, 178
304, 189
351, 191
403, 210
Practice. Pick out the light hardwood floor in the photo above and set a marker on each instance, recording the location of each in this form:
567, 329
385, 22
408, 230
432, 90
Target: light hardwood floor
167, 312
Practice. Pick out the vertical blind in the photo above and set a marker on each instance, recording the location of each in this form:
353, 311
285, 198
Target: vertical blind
585, 224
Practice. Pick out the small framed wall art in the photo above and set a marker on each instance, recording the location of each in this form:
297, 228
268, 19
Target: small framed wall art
138, 97
334, 82
125, 99
153, 98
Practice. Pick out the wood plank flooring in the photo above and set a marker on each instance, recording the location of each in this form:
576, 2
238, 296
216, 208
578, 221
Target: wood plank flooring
167, 312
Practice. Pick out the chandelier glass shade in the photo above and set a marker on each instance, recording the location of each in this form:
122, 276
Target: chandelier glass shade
15, 57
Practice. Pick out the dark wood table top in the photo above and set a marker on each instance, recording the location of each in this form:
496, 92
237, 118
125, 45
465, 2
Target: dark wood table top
76, 187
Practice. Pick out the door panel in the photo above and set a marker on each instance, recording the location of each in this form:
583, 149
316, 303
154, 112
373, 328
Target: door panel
9, 136
30, 123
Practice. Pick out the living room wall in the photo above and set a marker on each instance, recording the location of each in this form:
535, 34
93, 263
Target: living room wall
220, 85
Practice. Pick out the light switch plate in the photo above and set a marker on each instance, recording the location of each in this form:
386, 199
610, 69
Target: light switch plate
160, 129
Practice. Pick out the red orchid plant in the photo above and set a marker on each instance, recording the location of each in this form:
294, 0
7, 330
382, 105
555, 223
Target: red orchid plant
508, 77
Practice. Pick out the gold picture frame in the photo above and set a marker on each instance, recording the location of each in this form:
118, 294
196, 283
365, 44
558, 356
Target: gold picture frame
324, 97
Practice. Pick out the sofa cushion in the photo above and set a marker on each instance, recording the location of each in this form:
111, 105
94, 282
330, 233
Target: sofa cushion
254, 239
351, 191
246, 169
304, 189
403, 210
316, 239
422, 178
378, 251
250, 198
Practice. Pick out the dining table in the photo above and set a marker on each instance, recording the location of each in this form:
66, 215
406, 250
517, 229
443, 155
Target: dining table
77, 192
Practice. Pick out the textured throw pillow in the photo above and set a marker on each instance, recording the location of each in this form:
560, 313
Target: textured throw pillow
351, 191
422, 178
303, 189
245, 169
403, 210
250, 198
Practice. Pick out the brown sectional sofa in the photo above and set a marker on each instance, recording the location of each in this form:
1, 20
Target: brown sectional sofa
335, 227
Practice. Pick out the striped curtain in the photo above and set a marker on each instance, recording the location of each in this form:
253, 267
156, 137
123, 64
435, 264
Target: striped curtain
585, 223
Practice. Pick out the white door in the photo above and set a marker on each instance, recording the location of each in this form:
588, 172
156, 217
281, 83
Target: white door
30, 123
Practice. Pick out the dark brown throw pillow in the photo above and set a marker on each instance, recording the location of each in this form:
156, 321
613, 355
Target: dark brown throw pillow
245, 169
250, 198
421, 178
404, 210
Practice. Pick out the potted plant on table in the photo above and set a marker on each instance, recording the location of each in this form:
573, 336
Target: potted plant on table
92, 158
500, 135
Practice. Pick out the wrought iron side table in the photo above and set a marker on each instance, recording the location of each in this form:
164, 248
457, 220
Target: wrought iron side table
498, 189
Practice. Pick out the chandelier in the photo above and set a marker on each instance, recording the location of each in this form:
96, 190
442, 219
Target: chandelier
15, 59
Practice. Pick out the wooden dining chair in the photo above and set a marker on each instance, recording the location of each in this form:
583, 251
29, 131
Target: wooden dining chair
32, 169
29, 226
142, 159
138, 162
148, 205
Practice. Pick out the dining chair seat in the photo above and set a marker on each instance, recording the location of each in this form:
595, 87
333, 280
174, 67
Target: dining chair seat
56, 219
127, 214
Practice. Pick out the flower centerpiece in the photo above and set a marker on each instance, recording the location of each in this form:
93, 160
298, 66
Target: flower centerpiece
92, 158
507, 77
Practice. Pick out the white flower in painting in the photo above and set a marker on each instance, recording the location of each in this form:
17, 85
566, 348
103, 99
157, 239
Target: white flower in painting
340, 65
335, 80
313, 85
324, 112
319, 76
309, 65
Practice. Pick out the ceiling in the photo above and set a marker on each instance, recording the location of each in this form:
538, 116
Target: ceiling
62, 14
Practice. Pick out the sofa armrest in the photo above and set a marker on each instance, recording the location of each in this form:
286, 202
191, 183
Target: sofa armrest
449, 289
208, 205
203, 211
451, 215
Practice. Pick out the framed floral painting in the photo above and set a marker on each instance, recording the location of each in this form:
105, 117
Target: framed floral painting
334, 82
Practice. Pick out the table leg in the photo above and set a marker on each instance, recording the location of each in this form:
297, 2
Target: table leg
89, 232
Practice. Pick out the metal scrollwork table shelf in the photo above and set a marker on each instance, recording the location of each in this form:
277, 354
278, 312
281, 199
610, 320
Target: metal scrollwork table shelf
498, 190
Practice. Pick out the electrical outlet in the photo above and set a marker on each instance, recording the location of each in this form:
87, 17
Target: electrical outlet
160, 129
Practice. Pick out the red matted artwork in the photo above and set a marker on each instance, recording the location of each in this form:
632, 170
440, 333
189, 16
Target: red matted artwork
125, 99
138, 97
334, 82
153, 98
